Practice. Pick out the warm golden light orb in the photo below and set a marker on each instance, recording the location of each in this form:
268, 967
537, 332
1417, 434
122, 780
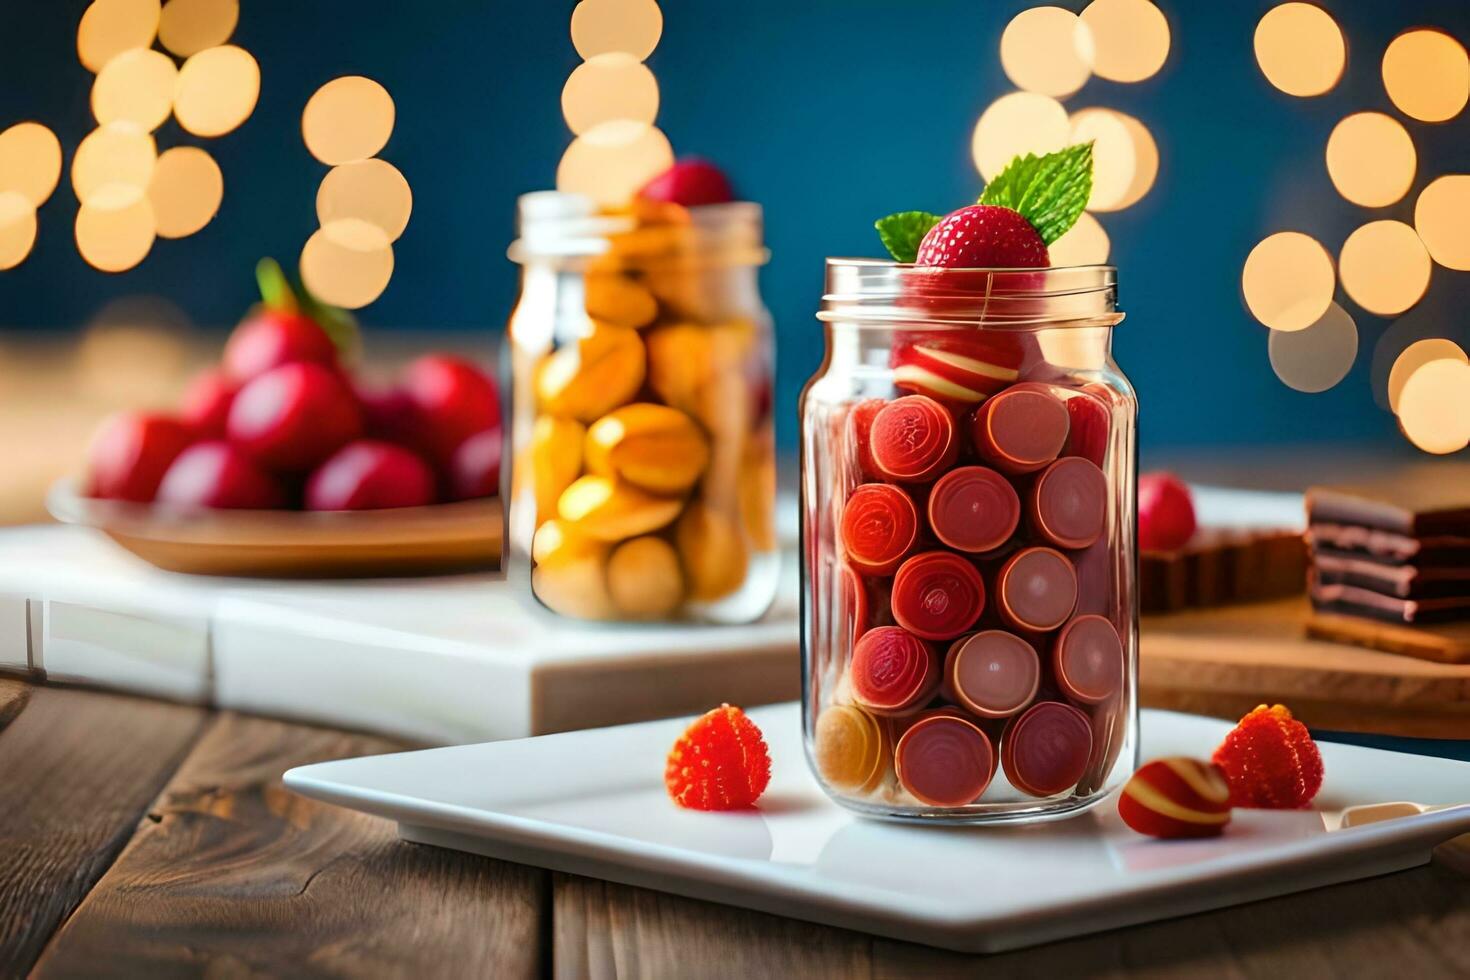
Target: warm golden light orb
1442, 219
186, 191
1288, 281
1085, 243
110, 27
1300, 49
369, 190
114, 161
1371, 159
342, 275
1047, 50
1417, 354
1427, 75
1124, 154
1434, 407
608, 87
1317, 358
1130, 39
187, 27
611, 161
30, 162
217, 91
1017, 124
630, 26
1384, 267
135, 87
17, 228
348, 119
115, 239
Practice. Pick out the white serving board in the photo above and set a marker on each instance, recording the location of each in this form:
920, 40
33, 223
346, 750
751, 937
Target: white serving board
593, 803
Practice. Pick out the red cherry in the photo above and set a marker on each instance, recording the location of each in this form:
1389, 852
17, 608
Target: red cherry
453, 400
368, 475
217, 474
913, 439
983, 236
878, 527
205, 406
691, 181
271, 338
388, 414
130, 453
1165, 512
294, 416
475, 470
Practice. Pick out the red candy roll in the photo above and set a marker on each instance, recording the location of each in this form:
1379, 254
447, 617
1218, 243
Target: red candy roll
1087, 660
1045, 749
1036, 590
961, 368
1176, 797
1091, 427
893, 671
1068, 503
944, 760
859, 436
937, 595
879, 525
1021, 429
854, 602
993, 674
913, 439
974, 509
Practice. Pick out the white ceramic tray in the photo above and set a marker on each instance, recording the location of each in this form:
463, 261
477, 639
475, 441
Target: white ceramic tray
593, 803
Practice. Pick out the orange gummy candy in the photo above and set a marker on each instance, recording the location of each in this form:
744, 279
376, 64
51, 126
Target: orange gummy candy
720, 762
1270, 761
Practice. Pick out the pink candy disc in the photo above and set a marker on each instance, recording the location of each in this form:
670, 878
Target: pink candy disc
1045, 749
1068, 503
1087, 660
974, 509
1036, 589
993, 674
1021, 429
944, 760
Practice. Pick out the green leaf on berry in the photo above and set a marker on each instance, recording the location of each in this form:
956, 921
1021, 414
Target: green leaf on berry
338, 324
275, 289
902, 232
1049, 191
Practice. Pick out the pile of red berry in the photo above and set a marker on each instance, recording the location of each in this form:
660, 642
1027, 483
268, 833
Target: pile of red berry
282, 423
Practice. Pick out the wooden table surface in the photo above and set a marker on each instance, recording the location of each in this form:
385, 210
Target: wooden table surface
139, 838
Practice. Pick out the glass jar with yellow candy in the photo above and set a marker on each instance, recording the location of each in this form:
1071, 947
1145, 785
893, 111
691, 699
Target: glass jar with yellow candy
644, 472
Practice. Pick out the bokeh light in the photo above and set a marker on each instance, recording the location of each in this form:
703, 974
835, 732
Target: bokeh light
1085, 243
17, 228
187, 27
1288, 281
341, 275
134, 350
1418, 353
217, 91
114, 162
1427, 75
1434, 407
1318, 357
115, 239
348, 119
186, 191
1125, 157
630, 26
1300, 49
110, 27
1130, 39
369, 190
1384, 267
1442, 219
1047, 50
1017, 124
609, 86
137, 87
611, 161
30, 161
1371, 159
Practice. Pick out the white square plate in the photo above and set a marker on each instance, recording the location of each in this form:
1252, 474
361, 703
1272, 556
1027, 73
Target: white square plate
593, 803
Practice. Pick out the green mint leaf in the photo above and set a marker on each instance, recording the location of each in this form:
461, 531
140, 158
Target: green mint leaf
340, 326
275, 290
901, 233
1049, 191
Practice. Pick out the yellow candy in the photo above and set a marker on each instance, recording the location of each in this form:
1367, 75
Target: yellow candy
556, 460
570, 573
620, 300
592, 376
644, 579
849, 748
701, 370
558, 542
712, 551
611, 510
650, 446
758, 493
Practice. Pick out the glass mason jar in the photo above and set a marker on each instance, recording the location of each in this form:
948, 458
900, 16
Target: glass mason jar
969, 617
644, 468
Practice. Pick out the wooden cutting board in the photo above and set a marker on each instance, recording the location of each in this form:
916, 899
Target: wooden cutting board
1225, 661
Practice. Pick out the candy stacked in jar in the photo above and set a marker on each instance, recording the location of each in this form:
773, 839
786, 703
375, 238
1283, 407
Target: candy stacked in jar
969, 626
644, 467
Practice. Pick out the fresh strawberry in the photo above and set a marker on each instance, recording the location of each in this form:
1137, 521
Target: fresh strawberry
983, 236
691, 182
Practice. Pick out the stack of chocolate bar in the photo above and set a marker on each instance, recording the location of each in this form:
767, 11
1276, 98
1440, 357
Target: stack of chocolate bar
1220, 566
1395, 549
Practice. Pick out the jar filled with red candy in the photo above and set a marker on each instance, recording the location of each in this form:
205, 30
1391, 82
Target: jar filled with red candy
969, 614
644, 470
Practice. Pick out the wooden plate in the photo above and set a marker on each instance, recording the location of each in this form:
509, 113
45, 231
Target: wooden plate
443, 538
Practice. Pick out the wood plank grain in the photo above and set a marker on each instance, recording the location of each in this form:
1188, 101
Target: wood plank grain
232, 873
13, 697
1415, 923
77, 771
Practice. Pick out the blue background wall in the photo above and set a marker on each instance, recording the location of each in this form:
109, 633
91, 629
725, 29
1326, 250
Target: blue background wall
830, 112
